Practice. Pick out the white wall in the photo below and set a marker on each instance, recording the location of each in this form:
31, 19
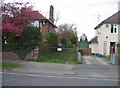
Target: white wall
119, 33
94, 48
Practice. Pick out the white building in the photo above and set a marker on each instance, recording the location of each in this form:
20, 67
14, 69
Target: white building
107, 34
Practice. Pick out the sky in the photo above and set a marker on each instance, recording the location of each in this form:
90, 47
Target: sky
83, 13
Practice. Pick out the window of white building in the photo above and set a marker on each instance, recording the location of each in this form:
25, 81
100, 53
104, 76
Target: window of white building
113, 28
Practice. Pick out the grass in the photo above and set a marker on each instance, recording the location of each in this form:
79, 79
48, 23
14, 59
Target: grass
9, 65
66, 57
107, 58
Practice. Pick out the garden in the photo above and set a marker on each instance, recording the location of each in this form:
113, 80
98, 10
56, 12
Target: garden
21, 37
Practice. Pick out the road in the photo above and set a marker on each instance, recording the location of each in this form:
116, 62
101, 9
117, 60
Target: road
95, 72
21, 79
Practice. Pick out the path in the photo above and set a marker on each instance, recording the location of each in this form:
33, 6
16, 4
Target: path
95, 60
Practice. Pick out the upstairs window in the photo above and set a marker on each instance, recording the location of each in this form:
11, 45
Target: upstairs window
113, 28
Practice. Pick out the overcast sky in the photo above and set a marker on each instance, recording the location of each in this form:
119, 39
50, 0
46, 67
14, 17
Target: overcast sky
83, 13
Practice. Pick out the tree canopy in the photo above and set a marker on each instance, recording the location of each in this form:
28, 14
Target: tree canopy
67, 34
51, 39
15, 16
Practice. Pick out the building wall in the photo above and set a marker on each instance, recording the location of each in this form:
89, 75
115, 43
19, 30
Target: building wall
51, 28
47, 27
104, 38
44, 29
119, 33
94, 48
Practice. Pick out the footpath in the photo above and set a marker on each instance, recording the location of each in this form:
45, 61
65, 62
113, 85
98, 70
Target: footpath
93, 67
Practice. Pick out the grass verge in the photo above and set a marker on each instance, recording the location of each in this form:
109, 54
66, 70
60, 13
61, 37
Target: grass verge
66, 57
9, 65
107, 58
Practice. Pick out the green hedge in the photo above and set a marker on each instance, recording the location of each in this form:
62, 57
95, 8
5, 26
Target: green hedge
23, 44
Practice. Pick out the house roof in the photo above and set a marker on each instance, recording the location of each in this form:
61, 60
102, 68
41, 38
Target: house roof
112, 19
94, 40
38, 16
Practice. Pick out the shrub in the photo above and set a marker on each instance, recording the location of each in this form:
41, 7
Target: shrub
51, 39
118, 45
23, 44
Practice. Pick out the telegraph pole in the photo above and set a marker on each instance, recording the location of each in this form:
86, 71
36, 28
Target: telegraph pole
98, 17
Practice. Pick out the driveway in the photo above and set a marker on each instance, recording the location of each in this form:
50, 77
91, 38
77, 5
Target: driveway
96, 67
95, 60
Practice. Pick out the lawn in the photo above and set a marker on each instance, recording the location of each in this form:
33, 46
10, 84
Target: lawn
66, 57
9, 65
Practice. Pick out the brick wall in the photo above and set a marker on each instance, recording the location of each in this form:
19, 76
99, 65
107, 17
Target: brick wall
9, 55
47, 27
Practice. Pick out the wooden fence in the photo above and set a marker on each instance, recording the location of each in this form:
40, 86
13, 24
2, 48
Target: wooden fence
86, 51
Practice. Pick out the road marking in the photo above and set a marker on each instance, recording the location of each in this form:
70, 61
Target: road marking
85, 78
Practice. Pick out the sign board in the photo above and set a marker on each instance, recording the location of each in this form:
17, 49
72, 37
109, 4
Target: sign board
59, 49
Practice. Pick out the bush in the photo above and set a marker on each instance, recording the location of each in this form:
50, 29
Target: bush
68, 43
11, 44
23, 44
51, 39
118, 45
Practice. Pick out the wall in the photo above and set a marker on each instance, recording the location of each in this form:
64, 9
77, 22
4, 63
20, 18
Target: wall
9, 55
44, 29
94, 48
119, 33
47, 27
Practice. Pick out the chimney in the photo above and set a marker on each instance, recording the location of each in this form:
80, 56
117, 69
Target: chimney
51, 14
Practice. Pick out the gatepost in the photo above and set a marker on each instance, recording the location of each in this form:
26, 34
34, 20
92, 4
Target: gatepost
79, 55
36, 53
112, 55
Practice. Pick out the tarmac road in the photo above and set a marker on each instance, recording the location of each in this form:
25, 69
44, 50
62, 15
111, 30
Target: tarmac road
93, 73
20, 79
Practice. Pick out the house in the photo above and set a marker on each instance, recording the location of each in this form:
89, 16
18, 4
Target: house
45, 25
48, 25
93, 44
107, 34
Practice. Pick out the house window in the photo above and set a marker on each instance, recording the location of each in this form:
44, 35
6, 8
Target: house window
113, 28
